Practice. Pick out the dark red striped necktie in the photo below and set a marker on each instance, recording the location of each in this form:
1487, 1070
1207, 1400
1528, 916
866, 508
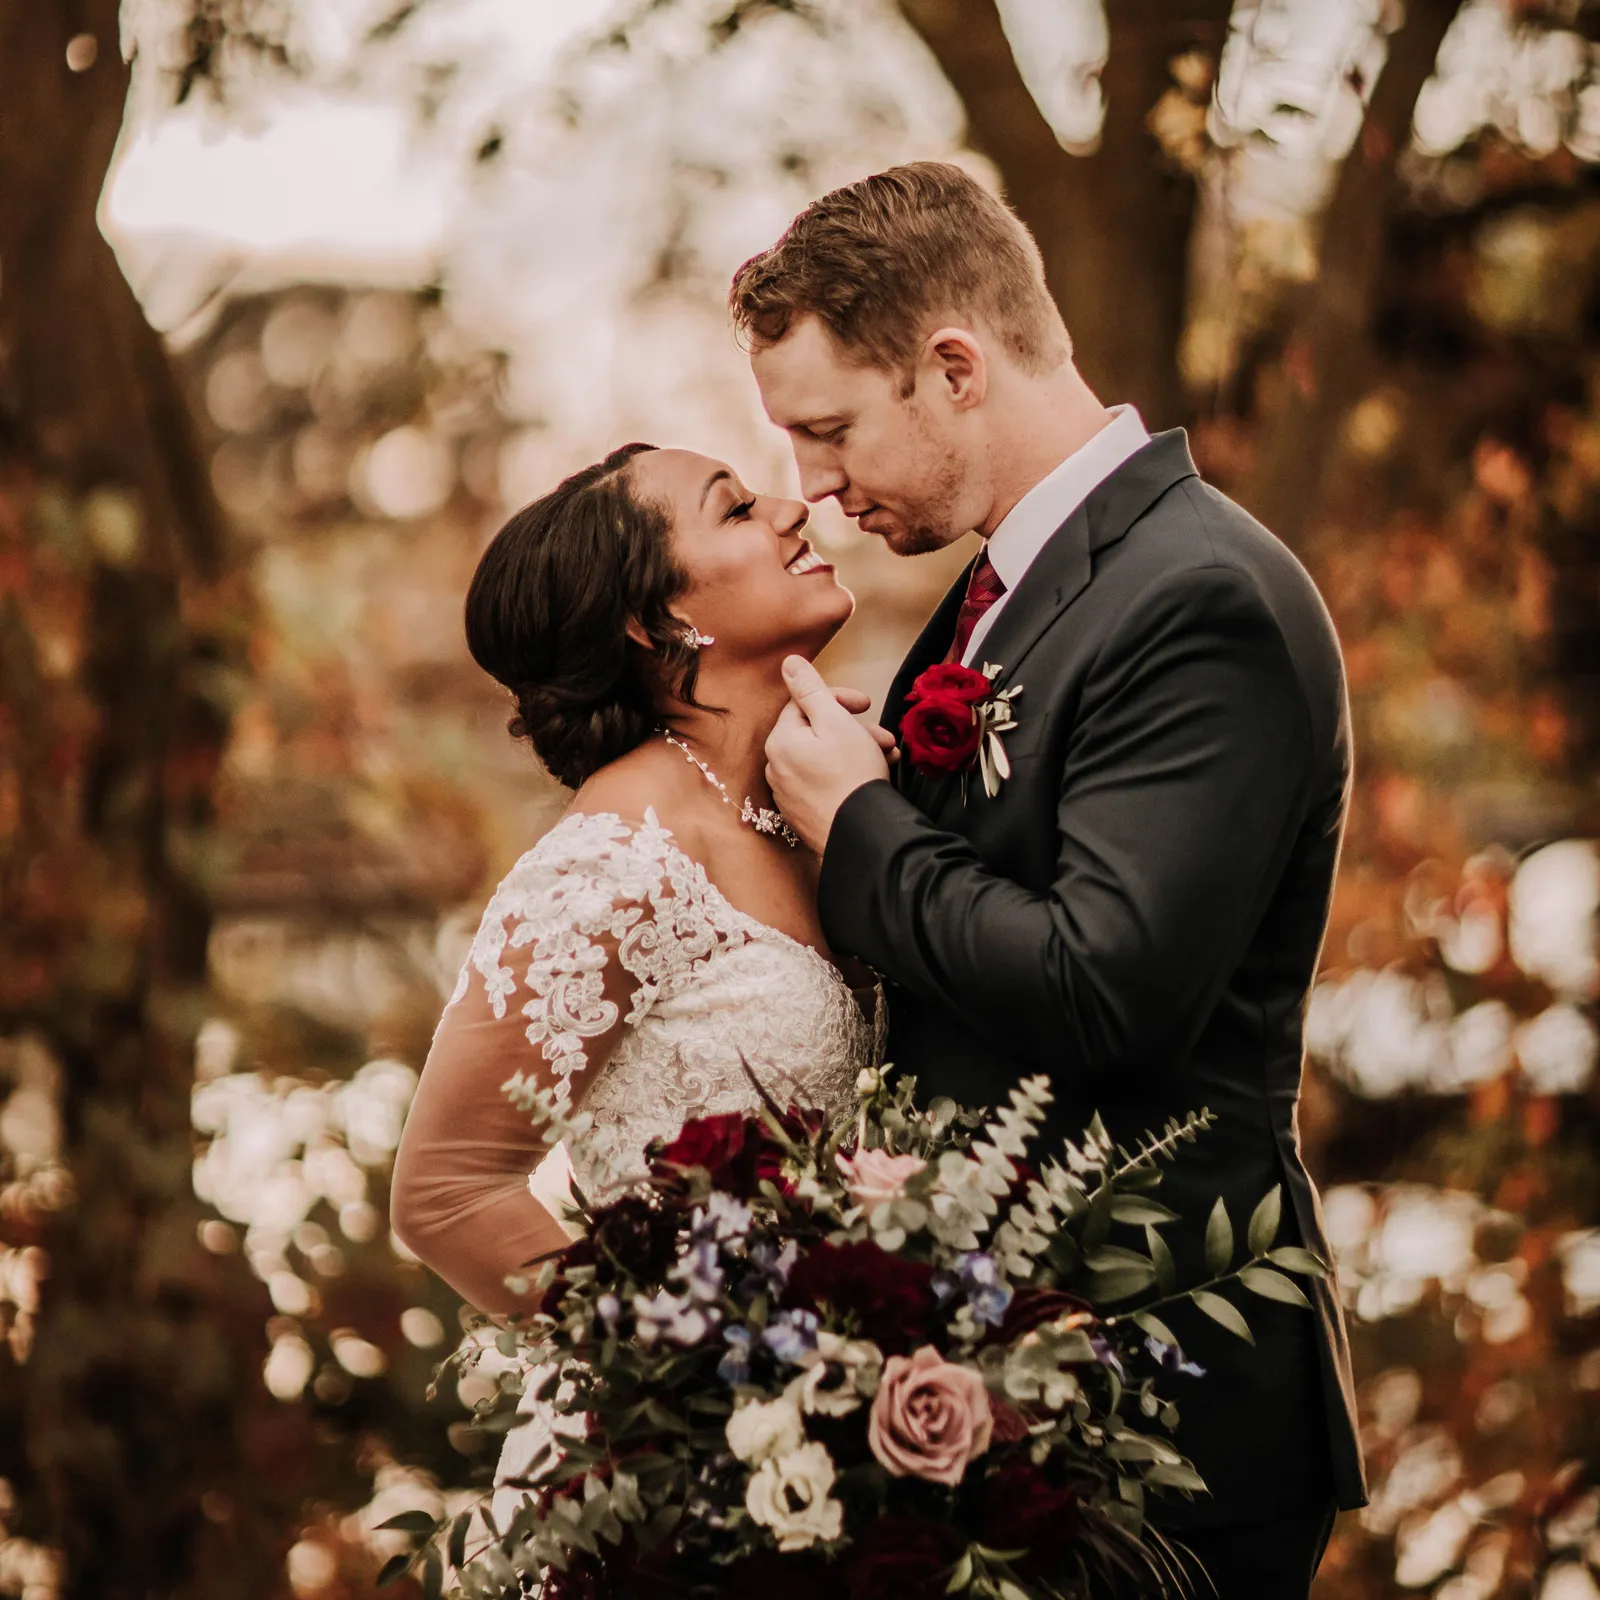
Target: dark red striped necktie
983, 589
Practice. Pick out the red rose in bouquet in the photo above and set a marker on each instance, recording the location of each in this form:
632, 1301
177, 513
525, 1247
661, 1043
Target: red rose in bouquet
890, 1295
902, 1558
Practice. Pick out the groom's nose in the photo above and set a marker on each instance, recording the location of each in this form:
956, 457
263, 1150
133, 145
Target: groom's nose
820, 477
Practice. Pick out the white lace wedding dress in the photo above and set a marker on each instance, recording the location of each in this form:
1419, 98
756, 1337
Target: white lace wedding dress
607, 930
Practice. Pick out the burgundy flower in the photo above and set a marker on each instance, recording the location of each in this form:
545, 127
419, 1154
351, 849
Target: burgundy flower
901, 1558
950, 678
641, 1237
1024, 1510
770, 1576
890, 1295
712, 1142
941, 735
1032, 1308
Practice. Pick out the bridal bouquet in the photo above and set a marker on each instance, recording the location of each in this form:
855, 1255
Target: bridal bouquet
869, 1360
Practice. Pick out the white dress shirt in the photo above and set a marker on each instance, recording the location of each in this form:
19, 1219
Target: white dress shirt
1028, 525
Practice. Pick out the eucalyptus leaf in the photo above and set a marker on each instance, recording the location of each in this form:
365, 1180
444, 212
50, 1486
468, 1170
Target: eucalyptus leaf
1219, 1240
432, 1573
1272, 1285
419, 1524
393, 1568
1176, 1475
457, 1547
1264, 1220
1223, 1312
1135, 1209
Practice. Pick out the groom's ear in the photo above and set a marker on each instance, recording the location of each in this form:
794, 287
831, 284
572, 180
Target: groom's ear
958, 363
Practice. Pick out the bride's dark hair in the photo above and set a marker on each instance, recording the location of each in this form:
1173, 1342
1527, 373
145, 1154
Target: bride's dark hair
548, 610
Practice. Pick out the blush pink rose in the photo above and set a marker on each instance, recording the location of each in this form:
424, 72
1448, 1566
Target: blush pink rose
930, 1417
873, 1176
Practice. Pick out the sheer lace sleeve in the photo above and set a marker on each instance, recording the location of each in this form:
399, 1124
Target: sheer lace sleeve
571, 952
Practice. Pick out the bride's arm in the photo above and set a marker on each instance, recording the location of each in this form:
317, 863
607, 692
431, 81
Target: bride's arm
460, 1199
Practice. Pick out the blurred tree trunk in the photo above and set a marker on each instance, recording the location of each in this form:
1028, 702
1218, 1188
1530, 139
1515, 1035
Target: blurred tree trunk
1329, 349
1113, 225
114, 655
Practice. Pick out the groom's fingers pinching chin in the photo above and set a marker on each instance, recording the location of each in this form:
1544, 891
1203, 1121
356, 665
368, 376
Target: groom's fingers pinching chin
808, 690
854, 701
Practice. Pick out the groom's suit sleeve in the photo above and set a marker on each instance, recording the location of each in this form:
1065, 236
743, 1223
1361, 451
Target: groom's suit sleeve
1184, 782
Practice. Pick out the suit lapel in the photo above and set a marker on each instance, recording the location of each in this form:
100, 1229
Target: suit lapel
1065, 565
1060, 573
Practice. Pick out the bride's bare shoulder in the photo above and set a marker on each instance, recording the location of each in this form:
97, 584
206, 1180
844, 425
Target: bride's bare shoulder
652, 777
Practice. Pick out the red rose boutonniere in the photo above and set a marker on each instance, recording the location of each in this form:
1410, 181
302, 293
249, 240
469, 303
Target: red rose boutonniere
953, 723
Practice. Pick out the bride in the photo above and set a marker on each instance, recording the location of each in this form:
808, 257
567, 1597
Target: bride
639, 615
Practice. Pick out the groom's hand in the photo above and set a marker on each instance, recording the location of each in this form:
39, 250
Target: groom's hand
818, 754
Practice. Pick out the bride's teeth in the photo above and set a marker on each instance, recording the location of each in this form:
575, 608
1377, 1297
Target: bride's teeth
809, 562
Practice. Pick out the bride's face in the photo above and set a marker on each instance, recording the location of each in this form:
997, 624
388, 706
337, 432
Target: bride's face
756, 585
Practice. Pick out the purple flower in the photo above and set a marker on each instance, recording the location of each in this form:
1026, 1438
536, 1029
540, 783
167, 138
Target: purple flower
987, 1295
609, 1308
1170, 1358
1106, 1355
791, 1335
769, 1268
722, 1218
734, 1367
671, 1317
699, 1271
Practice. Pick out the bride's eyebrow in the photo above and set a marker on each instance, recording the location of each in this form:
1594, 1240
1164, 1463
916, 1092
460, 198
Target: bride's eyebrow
711, 482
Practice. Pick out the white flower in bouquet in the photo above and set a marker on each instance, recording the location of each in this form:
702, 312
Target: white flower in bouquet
789, 1495
762, 1428
838, 1374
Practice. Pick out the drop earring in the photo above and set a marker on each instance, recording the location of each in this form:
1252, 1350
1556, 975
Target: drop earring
696, 640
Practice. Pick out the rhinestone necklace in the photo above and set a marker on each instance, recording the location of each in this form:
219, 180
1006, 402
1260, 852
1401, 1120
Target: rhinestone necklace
764, 819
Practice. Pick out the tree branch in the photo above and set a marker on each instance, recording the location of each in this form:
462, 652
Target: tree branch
1329, 348
1113, 226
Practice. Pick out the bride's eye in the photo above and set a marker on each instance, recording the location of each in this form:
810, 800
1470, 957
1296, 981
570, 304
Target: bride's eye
739, 512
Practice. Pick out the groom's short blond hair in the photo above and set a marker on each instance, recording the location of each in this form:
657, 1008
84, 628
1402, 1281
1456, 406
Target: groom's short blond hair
883, 262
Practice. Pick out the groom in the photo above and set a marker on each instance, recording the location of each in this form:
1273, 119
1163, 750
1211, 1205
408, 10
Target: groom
1137, 908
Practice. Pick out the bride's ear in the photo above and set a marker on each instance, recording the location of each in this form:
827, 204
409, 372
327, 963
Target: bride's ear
635, 631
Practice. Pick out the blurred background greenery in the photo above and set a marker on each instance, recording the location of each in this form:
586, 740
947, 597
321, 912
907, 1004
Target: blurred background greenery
366, 275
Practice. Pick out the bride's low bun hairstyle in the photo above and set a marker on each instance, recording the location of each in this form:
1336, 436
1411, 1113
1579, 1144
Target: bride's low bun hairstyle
548, 610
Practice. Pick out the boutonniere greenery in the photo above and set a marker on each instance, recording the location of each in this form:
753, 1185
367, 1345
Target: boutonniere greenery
954, 721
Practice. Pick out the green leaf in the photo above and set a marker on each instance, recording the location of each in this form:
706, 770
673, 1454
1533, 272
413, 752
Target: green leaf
1120, 1283
1110, 1257
1097, 1131
1223, 1312
1272, 1285
1155, 1327
457, 1548
419, 1524
432, 1573
1175, 1475
1264, 1220
961, 1576
1161, 1260
1130, 1208
393, 1568
1293, 1259
1219, 1240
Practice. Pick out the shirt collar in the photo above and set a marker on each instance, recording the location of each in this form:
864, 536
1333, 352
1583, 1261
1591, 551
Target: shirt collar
1027, 527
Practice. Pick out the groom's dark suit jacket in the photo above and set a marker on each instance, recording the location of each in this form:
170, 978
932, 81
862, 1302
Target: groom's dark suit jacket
1139, 912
